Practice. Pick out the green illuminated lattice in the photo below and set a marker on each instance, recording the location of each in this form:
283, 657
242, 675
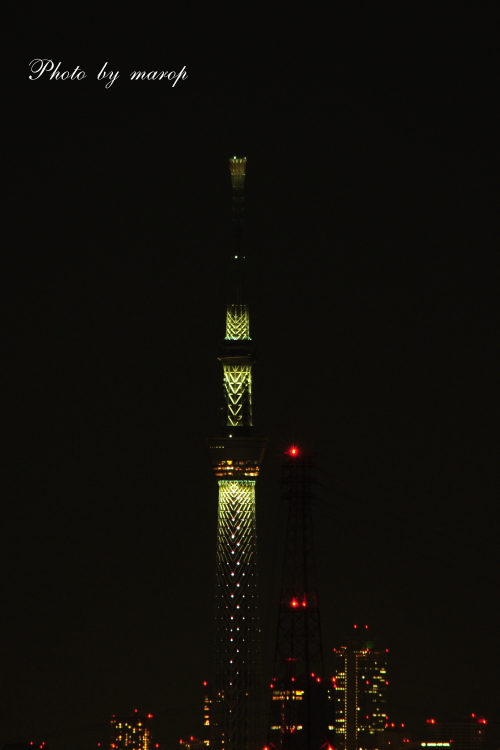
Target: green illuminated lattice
238, 389
237, 323
237, 708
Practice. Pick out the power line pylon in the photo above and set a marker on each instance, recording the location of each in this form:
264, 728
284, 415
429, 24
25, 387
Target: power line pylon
298, 716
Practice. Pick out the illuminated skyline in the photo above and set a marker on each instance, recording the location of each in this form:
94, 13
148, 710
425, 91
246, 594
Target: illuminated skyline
371, 227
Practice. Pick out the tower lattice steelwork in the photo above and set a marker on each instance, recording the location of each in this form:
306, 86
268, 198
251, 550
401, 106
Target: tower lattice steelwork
236, 456
298, 716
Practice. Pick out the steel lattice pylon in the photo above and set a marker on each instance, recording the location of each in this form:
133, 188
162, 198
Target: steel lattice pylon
237, 700
298, 716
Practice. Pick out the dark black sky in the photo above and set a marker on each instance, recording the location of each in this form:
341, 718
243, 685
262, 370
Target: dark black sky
371, 233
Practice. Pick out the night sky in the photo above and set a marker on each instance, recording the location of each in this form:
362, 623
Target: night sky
370, 231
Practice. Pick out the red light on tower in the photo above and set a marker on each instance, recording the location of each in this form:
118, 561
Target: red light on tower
293, 451
294, 603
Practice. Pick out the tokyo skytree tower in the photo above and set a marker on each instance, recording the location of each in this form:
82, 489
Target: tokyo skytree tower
237, 705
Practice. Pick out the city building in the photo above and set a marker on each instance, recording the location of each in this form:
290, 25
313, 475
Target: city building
207, 704
468, 734
359, 691
193, 743
131, 732
396, 737
237, 717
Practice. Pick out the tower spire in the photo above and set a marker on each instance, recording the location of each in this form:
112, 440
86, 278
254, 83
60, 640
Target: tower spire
236, 457
237, 353
237, 168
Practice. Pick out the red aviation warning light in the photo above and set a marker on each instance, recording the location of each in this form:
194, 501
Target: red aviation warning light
293, 451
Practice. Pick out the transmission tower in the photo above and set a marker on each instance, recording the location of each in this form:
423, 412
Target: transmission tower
298, 716
236, 455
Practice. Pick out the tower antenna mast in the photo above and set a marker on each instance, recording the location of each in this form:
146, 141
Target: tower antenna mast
236, 457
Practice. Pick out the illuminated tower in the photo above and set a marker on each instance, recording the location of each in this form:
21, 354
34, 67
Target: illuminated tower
360, 686
298, 716
236, 717
131, 732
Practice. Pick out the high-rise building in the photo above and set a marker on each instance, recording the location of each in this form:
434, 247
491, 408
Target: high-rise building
360, 687
468, 734
207, 706
131, 732
298, 715
236, 455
